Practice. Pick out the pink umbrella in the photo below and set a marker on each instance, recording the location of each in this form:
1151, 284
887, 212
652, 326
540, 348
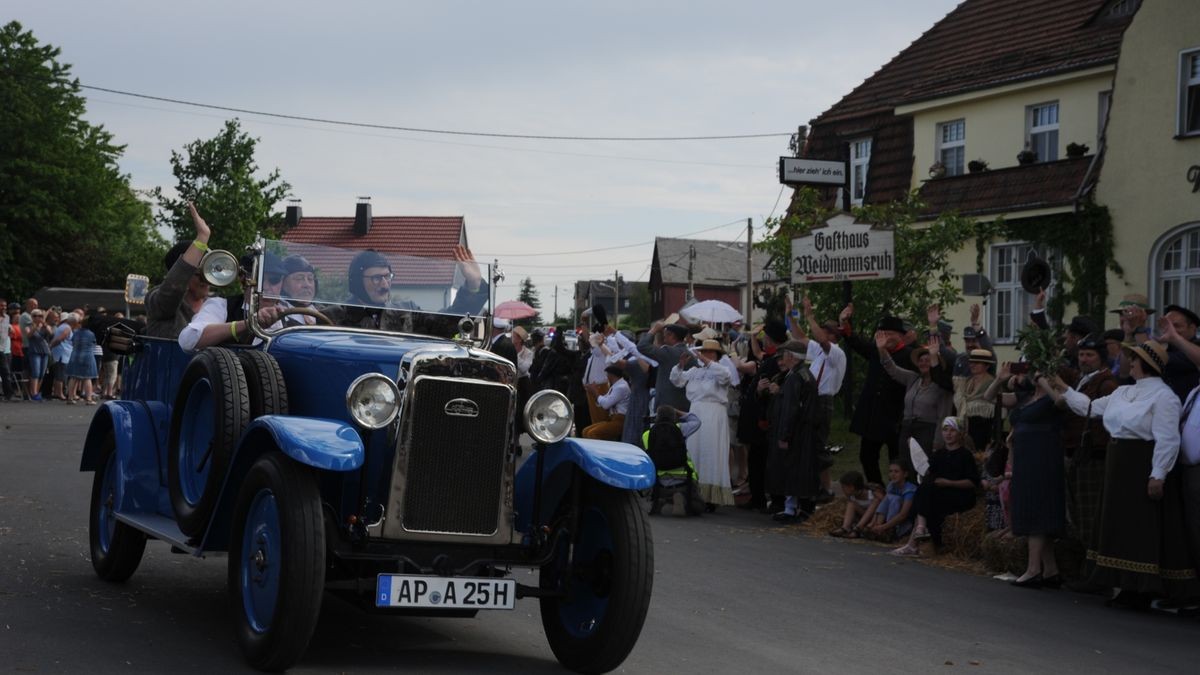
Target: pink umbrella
513, 309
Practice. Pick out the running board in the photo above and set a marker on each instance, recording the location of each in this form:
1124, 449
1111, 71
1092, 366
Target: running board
162, 528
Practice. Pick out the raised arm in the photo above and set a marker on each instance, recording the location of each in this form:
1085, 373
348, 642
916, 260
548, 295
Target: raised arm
901, 375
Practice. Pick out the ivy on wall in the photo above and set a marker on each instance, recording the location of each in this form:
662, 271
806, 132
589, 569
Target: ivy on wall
1085, 242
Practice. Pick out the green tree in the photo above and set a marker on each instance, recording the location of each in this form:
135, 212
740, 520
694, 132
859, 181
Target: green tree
68, 216
220, 175
639, 307
529, 295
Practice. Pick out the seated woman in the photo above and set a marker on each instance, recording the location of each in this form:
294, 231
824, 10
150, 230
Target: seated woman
615, 401
947, 488
222, 320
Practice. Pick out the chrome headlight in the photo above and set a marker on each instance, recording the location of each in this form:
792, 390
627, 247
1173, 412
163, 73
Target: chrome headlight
548, 416
373, 400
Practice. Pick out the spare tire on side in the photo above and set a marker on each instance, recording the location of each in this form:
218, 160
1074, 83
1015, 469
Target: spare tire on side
212, 409
264, 381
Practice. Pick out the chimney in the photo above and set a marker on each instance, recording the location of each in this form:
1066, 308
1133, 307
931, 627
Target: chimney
362, 217
294, 214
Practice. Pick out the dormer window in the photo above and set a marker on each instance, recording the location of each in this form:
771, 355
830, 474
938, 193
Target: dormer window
860, 161
952, 146
1042, 137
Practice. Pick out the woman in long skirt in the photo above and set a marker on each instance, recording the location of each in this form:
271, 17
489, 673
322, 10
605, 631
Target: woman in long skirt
1140, 547
706, 386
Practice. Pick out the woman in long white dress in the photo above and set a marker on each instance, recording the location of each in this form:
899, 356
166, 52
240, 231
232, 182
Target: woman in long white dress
707, 386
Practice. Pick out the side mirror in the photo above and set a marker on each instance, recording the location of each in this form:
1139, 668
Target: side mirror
220, 268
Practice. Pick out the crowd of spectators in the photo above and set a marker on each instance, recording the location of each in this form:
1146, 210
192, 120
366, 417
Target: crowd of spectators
55, 355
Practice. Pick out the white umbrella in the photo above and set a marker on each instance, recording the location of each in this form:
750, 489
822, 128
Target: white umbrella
711, 311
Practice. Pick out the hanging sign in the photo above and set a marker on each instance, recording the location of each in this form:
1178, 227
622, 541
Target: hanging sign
796, 171
843, 251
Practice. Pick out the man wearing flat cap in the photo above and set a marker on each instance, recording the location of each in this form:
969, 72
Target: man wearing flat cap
793, 467
665, 343
880, 406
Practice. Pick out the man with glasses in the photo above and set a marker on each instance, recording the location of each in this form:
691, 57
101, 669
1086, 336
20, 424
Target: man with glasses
171, 305
370, 282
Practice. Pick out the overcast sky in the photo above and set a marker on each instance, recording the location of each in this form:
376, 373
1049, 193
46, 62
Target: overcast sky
566, 67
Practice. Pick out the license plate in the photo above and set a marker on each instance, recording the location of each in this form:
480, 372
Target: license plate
402, 590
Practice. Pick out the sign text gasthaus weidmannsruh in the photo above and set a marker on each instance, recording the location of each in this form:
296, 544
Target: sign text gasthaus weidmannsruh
843, 251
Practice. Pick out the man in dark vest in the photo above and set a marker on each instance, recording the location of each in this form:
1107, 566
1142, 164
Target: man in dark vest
1084, 443
880, 405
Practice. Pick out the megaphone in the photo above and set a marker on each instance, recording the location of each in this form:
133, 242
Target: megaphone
220, 268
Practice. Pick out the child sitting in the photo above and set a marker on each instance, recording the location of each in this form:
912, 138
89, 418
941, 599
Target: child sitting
893, 518
860, 504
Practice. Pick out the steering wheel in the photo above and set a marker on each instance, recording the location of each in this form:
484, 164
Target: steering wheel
307, 311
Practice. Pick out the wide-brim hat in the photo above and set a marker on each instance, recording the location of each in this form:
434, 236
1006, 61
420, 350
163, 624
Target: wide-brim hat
520, 332
711, 346
1133, 300
1035, 275
892, 323
1191, 316
981, 356
706, 334
970, 333
1154, 354
672, 318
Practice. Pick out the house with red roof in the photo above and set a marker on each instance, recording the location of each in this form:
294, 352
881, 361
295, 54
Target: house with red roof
998, 111
415, 245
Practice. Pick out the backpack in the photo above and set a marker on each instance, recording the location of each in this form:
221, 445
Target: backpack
666, 447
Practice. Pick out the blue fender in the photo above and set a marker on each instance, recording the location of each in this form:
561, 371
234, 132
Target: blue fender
326, 444
138, 432
331, 445
619, 465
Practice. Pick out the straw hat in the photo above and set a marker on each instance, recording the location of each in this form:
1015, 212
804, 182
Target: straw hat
1153, 354
711, 346
981, 356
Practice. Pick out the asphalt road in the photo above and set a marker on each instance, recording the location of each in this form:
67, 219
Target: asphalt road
732, 594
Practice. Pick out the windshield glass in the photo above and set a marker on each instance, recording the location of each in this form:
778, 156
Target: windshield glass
373, 289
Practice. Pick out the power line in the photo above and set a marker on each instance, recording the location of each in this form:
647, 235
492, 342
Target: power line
550, 267
422, 130
539, 151
606, 248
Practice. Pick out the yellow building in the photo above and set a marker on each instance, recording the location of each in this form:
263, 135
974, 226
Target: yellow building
1041, 126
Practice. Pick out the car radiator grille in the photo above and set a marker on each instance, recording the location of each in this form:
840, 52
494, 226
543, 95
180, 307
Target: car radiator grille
455, 463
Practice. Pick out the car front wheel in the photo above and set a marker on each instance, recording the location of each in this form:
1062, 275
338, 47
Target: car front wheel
596, 623
276, 562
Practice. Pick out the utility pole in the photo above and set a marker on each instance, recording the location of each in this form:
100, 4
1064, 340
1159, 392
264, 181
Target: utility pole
748, 308
555, 319
691, 292
616, 298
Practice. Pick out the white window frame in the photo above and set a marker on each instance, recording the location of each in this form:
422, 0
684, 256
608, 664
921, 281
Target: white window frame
1187, 82
1044, 128
860, 163
957, 166
1175, 268
1009, 306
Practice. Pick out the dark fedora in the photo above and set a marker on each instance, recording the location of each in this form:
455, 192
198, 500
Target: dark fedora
1035, 275
893, 323
1187, 313
1082, 326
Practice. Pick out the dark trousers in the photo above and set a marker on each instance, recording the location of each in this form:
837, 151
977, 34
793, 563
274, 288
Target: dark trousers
6, 377
868, 456
935, 503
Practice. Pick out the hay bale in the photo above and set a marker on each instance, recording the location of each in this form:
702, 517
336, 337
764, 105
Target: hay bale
1005, 554
827, 517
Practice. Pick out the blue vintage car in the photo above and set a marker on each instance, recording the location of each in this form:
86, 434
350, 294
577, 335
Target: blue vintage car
367, 447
